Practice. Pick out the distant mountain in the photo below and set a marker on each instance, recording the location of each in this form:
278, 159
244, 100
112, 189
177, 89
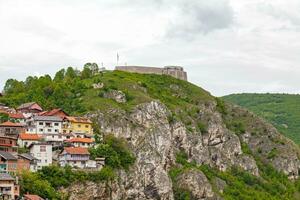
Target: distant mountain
282, 110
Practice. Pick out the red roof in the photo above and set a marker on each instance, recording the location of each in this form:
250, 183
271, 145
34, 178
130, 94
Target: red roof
54, 112
32, 197
77, 150
16, 115
11, 124
82, 140
26, 136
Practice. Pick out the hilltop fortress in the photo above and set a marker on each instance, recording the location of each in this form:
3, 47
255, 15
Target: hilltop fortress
175, 71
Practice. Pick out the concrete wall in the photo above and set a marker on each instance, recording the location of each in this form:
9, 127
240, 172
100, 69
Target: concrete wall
175, 71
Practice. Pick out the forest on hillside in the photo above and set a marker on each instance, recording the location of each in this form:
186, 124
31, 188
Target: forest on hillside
282, 110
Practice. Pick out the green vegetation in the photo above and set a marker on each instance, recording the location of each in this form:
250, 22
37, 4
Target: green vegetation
73, 91
115, 151
3, 117
282, 110
240, 184
47, 181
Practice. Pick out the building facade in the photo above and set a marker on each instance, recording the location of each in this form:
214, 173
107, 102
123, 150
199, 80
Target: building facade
77, 125
44, 125
9, 187
77, 157
25, 139
11, 129
43, 153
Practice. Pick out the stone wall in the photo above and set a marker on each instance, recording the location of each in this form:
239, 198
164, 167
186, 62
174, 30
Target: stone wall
177, 72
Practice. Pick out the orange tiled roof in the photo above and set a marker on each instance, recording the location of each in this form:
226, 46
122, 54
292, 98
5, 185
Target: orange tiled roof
77, 150
26, 136
11, 124
16, 115
79, 119
52, 112
82, 140
33, 197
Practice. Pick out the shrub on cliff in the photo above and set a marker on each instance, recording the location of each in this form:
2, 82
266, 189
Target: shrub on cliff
115, 151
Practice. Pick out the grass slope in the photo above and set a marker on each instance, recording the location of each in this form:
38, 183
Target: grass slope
282, 110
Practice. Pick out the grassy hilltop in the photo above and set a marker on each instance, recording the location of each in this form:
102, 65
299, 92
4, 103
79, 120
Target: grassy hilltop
74, 92
282, 110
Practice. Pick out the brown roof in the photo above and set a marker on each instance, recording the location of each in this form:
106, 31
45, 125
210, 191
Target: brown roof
11, 124
79, 119
52, 112
16, 115
30, 105
77, 150
82, 140
26, 136
32, 197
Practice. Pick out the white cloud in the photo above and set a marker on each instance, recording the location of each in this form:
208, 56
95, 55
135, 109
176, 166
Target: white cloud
226, 46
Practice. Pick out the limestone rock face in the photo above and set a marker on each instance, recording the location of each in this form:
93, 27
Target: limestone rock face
116, 95
155, 140
197, 183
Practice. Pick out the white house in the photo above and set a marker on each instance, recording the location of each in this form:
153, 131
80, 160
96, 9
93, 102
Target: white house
80, 142
25, 139
43, 153
75, 157
44, 125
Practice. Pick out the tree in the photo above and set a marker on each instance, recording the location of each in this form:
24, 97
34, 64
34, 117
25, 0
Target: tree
93, 67
60, 75
86, 72
70, 73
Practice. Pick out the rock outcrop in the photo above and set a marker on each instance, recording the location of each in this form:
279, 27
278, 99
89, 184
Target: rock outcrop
155, 140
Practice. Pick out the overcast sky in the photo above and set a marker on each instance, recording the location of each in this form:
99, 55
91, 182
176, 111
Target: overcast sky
226, 46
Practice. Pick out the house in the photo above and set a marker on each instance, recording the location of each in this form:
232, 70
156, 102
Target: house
11, 129
17, 117
26, 139
8, 163
77, 157
42, 152
44, 125
32, 197
26, 162
77, 125
80, 142
31, 107
54, 139
8, 187
58, 112
8, 144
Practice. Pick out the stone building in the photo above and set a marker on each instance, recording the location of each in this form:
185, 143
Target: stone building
175, 71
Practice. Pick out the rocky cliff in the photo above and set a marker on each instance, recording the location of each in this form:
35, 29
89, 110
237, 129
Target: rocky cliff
155, 137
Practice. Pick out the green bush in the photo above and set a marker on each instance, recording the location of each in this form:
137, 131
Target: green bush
115, 151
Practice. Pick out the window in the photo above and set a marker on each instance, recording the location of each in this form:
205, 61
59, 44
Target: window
48, 124
42, 148
41, 130
46, 161
41, 123
56, 130
86, 126
55, 124
79, 126
49, 130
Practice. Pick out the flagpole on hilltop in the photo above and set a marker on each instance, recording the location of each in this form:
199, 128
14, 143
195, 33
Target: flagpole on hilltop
118, 57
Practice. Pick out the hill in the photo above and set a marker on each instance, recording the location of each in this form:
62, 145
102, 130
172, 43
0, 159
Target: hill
282, 110
186, 143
